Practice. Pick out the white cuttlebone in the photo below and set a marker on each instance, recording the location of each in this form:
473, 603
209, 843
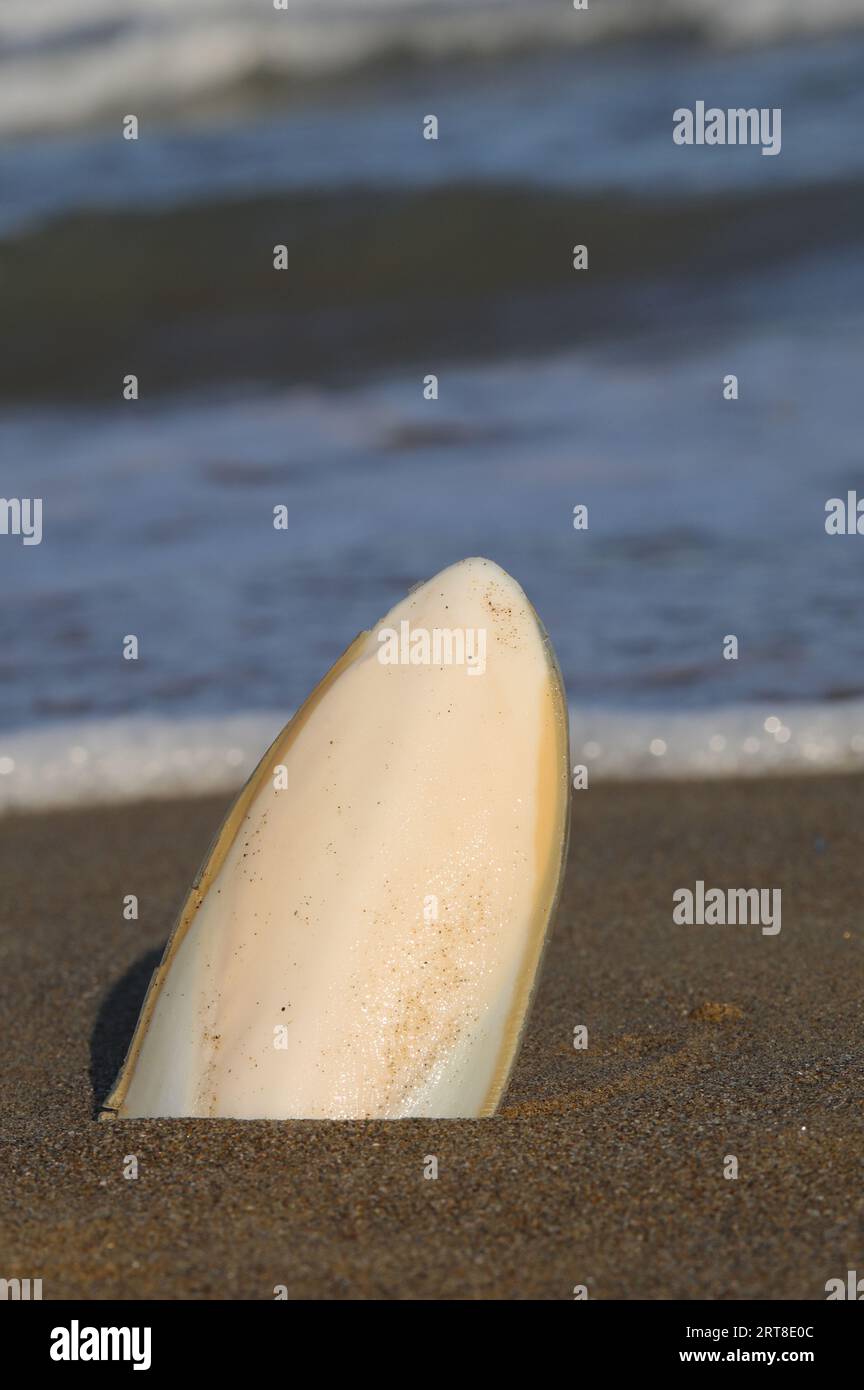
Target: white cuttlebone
365, 941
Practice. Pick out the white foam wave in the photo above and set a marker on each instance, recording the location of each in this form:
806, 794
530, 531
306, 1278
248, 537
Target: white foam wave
113, 761
732, 741
64, 62
137, 759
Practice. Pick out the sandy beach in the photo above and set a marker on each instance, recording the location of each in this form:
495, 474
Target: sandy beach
605, 1166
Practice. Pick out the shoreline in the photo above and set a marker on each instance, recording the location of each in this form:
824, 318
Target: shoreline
604, 1167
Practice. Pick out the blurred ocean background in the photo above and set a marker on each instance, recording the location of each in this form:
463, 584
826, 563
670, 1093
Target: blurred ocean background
409, 257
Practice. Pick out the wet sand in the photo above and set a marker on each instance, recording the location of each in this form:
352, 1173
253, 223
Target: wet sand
605, 1166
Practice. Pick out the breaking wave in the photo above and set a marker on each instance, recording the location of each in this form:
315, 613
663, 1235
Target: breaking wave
70, 62
112, 761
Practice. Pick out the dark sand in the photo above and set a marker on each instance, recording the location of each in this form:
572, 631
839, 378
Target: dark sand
604, 1168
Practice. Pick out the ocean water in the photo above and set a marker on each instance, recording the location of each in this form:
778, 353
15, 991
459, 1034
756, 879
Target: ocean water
706, 517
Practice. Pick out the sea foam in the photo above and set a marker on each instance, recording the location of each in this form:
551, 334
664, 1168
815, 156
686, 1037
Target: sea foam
112, 761
64, 62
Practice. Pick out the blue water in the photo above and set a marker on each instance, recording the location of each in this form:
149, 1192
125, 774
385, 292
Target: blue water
706, 517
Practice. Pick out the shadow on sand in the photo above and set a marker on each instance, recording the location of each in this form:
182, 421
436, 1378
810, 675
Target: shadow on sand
115, 1022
